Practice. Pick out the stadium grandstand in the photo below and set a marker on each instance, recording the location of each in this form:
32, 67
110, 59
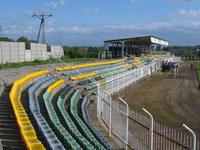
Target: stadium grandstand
71, 107
118, 48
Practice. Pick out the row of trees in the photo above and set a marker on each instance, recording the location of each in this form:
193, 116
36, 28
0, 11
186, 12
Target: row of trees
184, 51
80, 52
20, 39
73, 52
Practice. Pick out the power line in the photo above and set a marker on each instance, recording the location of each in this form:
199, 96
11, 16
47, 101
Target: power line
43, 18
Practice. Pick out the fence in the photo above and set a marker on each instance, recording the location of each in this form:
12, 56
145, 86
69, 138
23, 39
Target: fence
192, 58
14, 52
129, 128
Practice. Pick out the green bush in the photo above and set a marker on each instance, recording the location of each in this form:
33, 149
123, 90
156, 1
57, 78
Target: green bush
25, 40
77, 53
198, 71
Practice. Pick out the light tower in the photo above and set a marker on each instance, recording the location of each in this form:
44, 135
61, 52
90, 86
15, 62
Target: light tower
42, 17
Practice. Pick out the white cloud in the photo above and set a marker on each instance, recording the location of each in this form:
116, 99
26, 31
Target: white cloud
13, 26
137, 1
111, 28
91, 10
189, 13
54, 4
186, 1
62, 2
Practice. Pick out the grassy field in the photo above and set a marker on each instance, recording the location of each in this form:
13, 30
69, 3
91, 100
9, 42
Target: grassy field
198, 71
38, 62
172, 101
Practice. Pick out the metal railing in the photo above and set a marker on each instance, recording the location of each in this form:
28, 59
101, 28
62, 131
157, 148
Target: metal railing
131, 129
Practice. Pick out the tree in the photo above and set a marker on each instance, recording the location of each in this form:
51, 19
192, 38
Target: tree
25, 40
6, 39
77, 52
94, 51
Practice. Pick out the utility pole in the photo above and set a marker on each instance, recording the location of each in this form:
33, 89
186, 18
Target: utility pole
43, 18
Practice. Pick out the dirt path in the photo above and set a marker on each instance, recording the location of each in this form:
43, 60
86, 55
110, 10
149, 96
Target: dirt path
172, 101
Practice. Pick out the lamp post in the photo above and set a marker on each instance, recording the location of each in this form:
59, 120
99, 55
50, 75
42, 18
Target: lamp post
193, 134
151, 129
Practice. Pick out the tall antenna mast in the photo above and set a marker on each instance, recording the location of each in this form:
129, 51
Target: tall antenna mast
42, 17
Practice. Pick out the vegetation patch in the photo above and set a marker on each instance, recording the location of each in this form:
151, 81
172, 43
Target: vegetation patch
41, 62
198, 73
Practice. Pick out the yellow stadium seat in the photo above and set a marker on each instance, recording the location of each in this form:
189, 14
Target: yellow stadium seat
34, 144
26, 129
87, 65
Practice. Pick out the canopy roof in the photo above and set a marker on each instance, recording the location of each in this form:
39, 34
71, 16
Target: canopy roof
144, 40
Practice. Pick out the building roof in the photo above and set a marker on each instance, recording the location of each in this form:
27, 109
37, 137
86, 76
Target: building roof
144, 40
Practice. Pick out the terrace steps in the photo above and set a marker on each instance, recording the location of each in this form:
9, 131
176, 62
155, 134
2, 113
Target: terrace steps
98, 127
9, 132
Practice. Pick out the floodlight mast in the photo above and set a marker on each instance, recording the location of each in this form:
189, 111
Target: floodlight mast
43, 17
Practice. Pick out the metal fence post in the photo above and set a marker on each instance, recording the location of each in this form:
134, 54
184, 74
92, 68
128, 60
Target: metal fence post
151, 129
127, 121
193, 134
110, 126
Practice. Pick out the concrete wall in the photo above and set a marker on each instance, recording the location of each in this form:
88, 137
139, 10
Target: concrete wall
12, 52
27, 55
38, 51
57, 51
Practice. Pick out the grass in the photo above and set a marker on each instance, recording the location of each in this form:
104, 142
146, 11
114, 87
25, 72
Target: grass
172, 101
198, 73
41, 62
198, 70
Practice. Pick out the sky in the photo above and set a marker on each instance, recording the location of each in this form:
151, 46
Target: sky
90, 22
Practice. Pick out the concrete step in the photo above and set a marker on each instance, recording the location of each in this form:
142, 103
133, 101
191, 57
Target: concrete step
99, 128
8, 130
10, 147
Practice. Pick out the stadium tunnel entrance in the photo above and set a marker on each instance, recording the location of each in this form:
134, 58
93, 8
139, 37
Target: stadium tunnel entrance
133, 46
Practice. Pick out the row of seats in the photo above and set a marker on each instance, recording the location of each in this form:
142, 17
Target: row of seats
145, 60
88, 65
83, 76
99, 72
107, 70
92, 85
88, 122
26, 128
74, 111
44, 127
137, 61
64, 134
91, 69
113, 73
69, 122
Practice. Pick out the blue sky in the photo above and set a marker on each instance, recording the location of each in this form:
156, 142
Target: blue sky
89, 22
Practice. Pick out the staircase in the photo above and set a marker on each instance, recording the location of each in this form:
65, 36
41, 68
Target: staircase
9, 132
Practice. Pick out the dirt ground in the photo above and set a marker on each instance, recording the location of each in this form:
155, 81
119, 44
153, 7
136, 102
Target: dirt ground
172, 101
